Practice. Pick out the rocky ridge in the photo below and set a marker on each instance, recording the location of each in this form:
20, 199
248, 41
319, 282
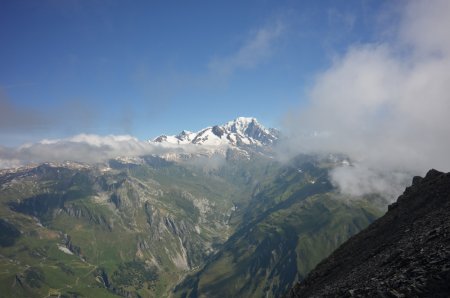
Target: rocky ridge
405, 253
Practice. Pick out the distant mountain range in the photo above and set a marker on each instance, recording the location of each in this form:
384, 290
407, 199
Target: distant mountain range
212, 214
241, 132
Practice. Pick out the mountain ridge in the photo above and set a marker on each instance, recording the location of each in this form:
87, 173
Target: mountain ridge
405, 253
290, 224
242, 131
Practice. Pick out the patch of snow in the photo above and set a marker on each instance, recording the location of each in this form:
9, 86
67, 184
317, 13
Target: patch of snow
241, 131
64, 249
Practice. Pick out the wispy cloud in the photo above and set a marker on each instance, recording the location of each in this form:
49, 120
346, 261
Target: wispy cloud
258, 47
385, 105
159, 88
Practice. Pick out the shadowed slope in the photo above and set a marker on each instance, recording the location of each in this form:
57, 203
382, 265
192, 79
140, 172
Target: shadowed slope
405, 253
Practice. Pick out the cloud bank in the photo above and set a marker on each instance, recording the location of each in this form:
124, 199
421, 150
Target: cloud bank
80, 148
90, 148
386, 105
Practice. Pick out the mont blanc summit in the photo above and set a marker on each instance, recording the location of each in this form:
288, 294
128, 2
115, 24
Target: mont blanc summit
241, 132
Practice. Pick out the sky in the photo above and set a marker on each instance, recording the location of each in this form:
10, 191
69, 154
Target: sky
145, 68
385, 104
89, 80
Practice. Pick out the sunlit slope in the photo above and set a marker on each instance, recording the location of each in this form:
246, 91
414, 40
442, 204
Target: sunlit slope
292, 224
133, 229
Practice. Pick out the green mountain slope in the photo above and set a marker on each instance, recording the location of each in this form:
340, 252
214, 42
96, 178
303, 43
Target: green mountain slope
292, 223
133, 229
136, 229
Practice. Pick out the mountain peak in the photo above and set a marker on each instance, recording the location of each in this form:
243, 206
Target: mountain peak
242, 131
240, 124
243, 120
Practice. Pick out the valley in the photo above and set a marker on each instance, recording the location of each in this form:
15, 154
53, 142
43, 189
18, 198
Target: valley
173, 227
224, 149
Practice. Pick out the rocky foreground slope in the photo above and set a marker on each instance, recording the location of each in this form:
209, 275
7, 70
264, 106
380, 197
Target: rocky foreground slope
405, 253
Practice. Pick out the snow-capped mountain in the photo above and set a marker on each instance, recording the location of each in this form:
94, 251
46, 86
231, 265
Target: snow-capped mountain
241, 132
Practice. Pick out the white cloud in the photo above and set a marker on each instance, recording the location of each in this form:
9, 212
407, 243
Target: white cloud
90, 148
386, 105
258, 47
80, 148
358, 180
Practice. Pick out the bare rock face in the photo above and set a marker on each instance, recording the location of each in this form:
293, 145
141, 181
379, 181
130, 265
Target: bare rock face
405, 253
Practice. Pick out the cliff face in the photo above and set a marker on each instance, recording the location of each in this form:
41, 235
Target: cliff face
132, 230
405, 253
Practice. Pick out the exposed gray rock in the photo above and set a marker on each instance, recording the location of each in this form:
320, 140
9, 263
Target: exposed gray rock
405, 253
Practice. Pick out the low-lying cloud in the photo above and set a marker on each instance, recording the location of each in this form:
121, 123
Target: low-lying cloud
80, 148
386, 105
90, 148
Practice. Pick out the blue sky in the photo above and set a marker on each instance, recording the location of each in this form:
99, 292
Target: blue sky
150, 67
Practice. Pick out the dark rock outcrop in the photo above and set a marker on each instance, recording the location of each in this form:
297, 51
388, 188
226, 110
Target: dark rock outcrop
405, 253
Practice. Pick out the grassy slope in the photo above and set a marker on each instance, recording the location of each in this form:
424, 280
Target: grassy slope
34, 266
107, 236
281, 221
292, 223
